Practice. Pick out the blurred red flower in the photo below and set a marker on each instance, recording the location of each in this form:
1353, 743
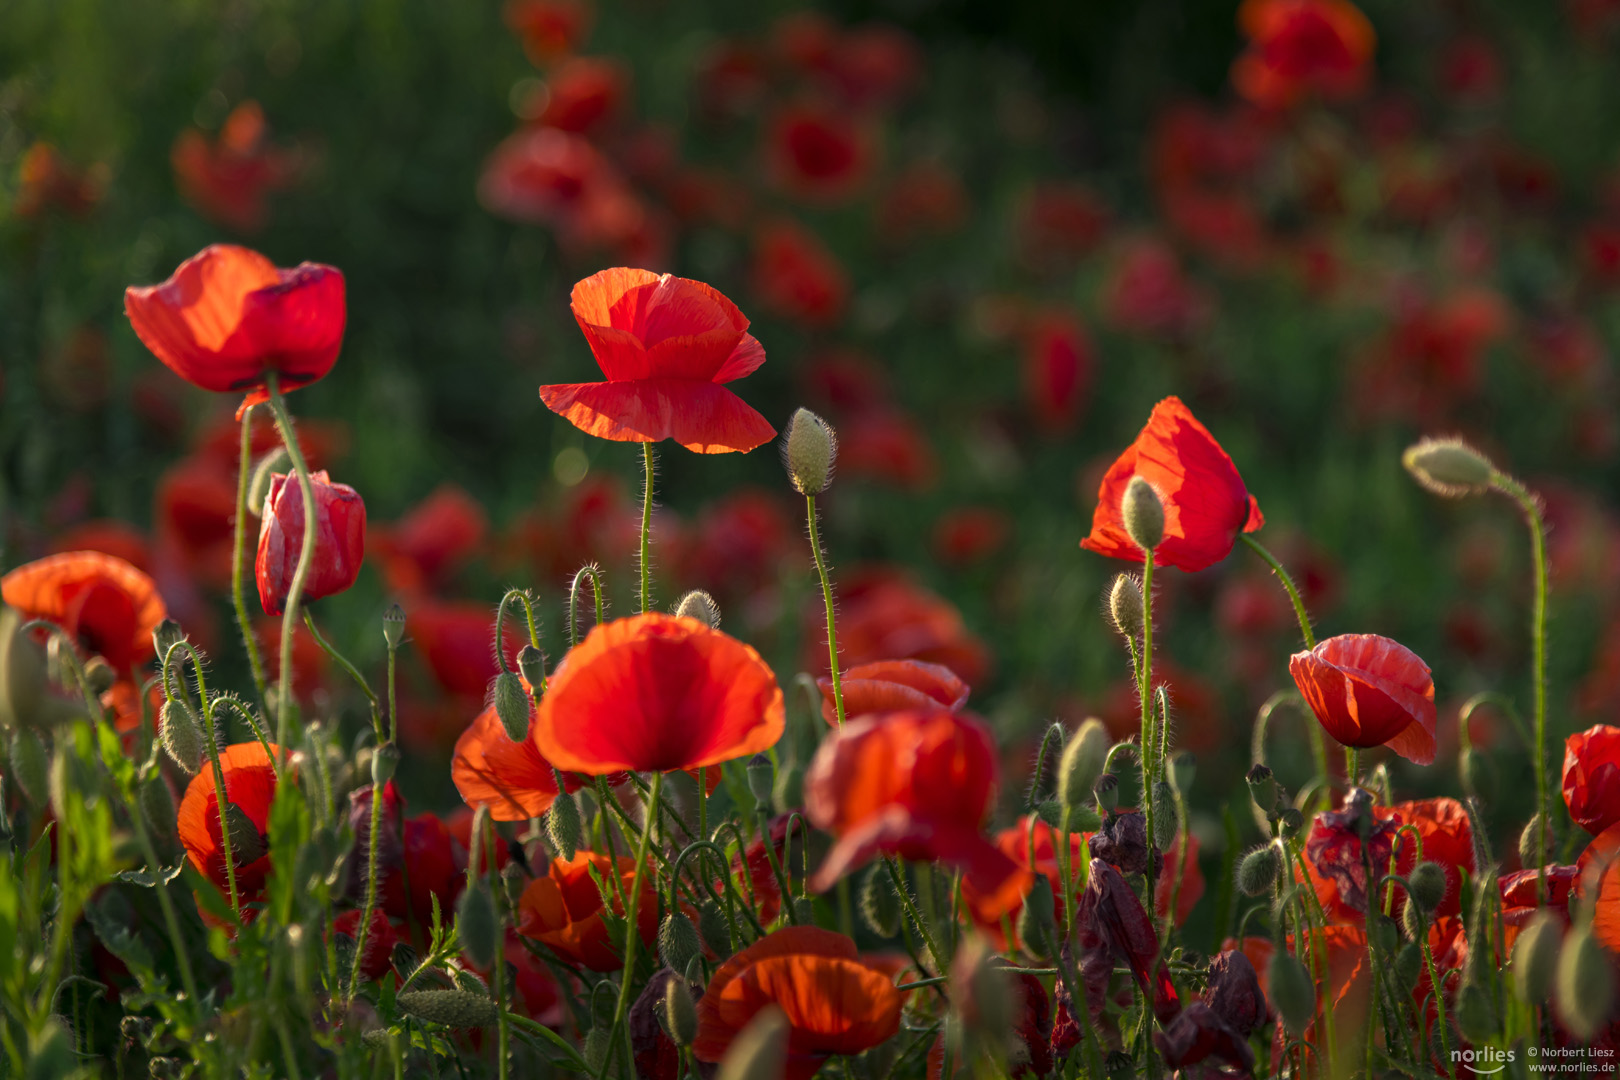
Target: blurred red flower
656, 693
309, 661
46, 180
549, 29
1367, 691
1592, 777
666, 345
1033, 845
195, 516
797, 276
834, 1002
250, 785
583, 93
109, 536
564, 910
229, 180
1147, 292
427, 545
1302, 47
883, 615
513, 779
228, 319
102, 602
1113, 928
876, 65
970, 534
457, 638
556, 178
340, 540
926, 199
1206, 505
378, 958
1058, 366
818, 153
1058, 223
739, 542
885, 444
893, 686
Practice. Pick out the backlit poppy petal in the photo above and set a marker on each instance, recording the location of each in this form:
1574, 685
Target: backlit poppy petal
511, 778
250, 783
893, 686
1591, 780
103, 602
1369, 691
703, 417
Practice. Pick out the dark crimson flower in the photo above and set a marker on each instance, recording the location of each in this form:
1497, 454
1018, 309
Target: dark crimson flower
1196, 1034
229, 318
1234, 992
818, 153
105, 604
1592, 777
797, 276
549, 29
1058, 362
834, 1002
1302, 47
657, 1056
893, 686
884, 616
45, 180
563, 909
428, 544
1113, 927
1518, 891
250, 784
340, 540
582, 93
1336, 850
656, 693
666, 345
229, 180
1123, 843
1369, 691
1033, 845
513, 779
915, 784
378, 958
1206, 505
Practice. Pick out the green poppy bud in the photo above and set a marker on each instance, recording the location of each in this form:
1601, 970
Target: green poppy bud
157, 806
512, 706
1257, 873
478, 925
1125, 609
761, 778
1142, 511
1106, 790
181, 734
1535, 958
1528, 855
563, 826
1409, 965
713, 929
1262, 787
165, 636
1585, 984
1381, 931
699, 605
810, 452
393, 626
680, 1015
384, 760
1164, 817
1183, 767
453, 1008
1449, 468
247, 842
1292, 991
1428, 885
759, 1052
1291, 819
1082, 764
596, 1047
99, 675
1476, 1016
677, 941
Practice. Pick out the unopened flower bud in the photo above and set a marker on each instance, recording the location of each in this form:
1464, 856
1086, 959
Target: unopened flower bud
699, 605
453, 1008
1106, 790
181, 734
680, 1015
1448, 467
1125, 609
1142, 511
563, 826
1414, 920
1183, 767
1409, 964
880, 906
512, 706
597, 1042
384, 761
1164, 818
1585, 984
761, 778
759, 1052
165, 636
1037, 922
810, 452
157, 806
393, 625
677, 941
1428, 883
713, 929
30, 765
1476, 1016
1528, 855
1382, 933
99, 675
1258, 871
477, 924
1535, 958
531, 664
1292, 991
1082, 763
1262, 787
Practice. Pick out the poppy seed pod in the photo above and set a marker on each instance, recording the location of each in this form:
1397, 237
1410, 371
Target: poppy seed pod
679, 1014
759, 1052
1449, 468
1291, 819
880, 906
384, 762
1585, 990
453, 1008
699, 605
30, 766
477, 924
1106, 789
1258, 871
810, 452
677, 941
531, 664
563, 825
761, 778
1262, 787
1292, 991
181, 734
512, 705
340, 540
1535, 958
394, 626
1082, 764
1428, 885
1142, 512
1125, 607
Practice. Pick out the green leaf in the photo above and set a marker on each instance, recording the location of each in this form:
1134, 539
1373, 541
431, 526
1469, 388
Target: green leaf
151, 878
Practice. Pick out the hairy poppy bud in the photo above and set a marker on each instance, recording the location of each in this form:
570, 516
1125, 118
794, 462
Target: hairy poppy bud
1409, 964
1414, 920
1125, 608
1183, 767
563, 826
1527, 840
394, 626
677, 941
512, 706
247, 842
477, 924
596, 1047
1381, 932
453, 1008
1585, 983
1258, 871
810, 452
1292, 991
1142, 511
1164, 821
699, 605
761, 778
1535, 958
713, 929
1262, 787
1106, 789
531, 664
1082, 763
1476, 1016
1428, 885
99, 675
181, 734
384, 760
157, 806
1478, 775
880, 906
680, 1015
759, 1052
30, 766
1037, 922
1448, 467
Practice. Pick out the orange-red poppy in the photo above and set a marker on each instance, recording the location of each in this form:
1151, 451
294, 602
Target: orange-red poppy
1302, 47
564, 909
833, 1001
1033, 845
229, 180
818, 153
1369, 690
666, 345
656, 693
105, 604
797, 276
1592, 777
250, 783
427, 545
1206, 505
893, 686
915, 784
229, 318
1519, 905
116, 538
513, 779
340, 540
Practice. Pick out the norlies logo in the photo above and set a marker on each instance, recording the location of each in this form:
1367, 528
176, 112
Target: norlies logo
1484, 1061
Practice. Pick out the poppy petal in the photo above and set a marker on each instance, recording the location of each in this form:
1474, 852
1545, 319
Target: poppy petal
701, 416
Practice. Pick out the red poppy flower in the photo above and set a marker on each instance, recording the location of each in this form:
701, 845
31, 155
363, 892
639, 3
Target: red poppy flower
513, 779
116, 538
970, 534
666, 344
427, 545
739, 544
1206, 505
1337, 853
887, 445
874, 66
45, 179
833, 1001
915, 784
378, 958
1592, 777
557, 178
250, 783
656, 693
1299, 47
582, 93
195, 517
228, 318
549, 29
1058, 362
1147, 292
884, 616
893, 686
1518, 891
458, 641
563, 909
340, 540
229, 180
797, 276
817, 153
106, 605
927, 199
1033, 845
1369, 691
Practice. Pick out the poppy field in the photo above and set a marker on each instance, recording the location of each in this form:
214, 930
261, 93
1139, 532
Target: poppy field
877, 540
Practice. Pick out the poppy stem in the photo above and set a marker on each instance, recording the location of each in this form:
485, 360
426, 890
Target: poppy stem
211, 744
632, 935
306, 556
239, 557
907, 902
827, 598
1318, 747
1144, 691
646, 526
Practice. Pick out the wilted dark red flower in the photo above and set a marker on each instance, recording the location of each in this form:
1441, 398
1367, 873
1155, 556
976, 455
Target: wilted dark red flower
340, 540
1206, 505
1367, 691
1336, 850
229, 180
797, 276
1122, 842
833, 1001
378, 958
817, 153
1197, 1034
549, 29
656, 693
229, 318
1592, 777
564, 909
916, 784
893, 686
1302, 47
1113, 927
1058, 362
428, 544
250, 784
666, 345
513, 779
885, 616
105, 604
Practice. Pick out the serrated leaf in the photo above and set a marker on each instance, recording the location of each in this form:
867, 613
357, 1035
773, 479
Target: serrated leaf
150, 879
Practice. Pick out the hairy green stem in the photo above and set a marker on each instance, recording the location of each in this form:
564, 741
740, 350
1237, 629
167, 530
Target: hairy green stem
239, 558
827, 598
1538, 644
632, 935
306, 557
646, 525
1318, 746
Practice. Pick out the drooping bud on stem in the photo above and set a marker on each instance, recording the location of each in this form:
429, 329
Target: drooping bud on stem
1258, 871
247, 842
181, 734
810, 452
761, 778
1585, 983
1428, 885
699, 605
1142, 511
512, 706
713, 928
880, 906
1536, 829
1449, 468
1125, 606
165, 636
1082, 764
1292, 991
30, 766
680, 1015
477, 924
1183, 767
1164, 821
1535, 958
1106, 790
564, 828
99, 675
677, 941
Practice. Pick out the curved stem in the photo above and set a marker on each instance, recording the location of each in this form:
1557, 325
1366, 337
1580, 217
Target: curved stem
632, 934
827, 598
1287, 584
646, 525
1538, 643
306, 557
592, 573
239, 557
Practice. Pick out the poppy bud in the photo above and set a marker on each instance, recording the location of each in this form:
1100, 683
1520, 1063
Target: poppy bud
384, 760
340, 540
453, 1008
1535, 958
1292, 991
165, 636
1183, 767
30, 767
1262, 787
1448, 467
181, 734
1106, 790
759, 1052
563, 825
1428, 885
1414, 920
1476, 1017
1292, 820
99, 675
677, 941
1142, 512
513, 881
1082, 763
1527, 840
1125, 606
51, 1052
1037, 922
157, 806
394, 625
680, 1015
1478, 775
247, 842
699, 605
1409, 964
477, 924
1258, 871
761, 778
531, 664
880, 907
1164, 822
810, 452
713, 929
512, 705
1585, 983
1382, 933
